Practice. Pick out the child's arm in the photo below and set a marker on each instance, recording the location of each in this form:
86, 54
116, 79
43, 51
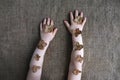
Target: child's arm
47, 32
75, 28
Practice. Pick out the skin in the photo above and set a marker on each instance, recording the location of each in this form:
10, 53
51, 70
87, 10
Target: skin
37, 59
75, 68
73, 74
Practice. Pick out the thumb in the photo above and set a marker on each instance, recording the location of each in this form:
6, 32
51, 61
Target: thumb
55, 31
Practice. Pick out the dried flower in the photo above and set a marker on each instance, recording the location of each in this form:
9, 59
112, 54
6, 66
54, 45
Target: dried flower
79, 58
77, 32
78, 46
37, 57
49, 28
42, 44
76, 71
35, 68
78, 20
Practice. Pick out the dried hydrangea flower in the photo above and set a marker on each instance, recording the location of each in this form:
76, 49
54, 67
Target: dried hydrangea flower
37, 57
49, 28
78, 46
42, 44
76, 71
76, 32
79, 58
78, 20
35, 68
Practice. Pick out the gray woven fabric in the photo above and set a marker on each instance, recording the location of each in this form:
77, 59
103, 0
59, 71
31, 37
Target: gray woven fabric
19, 35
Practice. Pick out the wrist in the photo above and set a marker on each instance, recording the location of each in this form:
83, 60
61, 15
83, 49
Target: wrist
76, 33
77, 39
46, 41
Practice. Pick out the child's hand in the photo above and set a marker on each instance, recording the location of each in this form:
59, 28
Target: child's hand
47, 30
77, 22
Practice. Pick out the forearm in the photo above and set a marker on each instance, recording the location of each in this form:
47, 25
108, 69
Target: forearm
75, 68
47, 33
35, 67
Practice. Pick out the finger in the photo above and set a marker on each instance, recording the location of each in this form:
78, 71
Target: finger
51, 23
44, 22
40, 26
71, 17
81, 14
76, 13
48, 21
55, 31
67, 24
84, 21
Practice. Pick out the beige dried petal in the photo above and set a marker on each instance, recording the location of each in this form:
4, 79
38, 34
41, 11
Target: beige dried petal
76, 71
79, 20
35, 68
48, 28
79, 58
37, 57
42, 44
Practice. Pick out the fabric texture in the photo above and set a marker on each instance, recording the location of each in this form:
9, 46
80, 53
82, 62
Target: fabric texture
19, 35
